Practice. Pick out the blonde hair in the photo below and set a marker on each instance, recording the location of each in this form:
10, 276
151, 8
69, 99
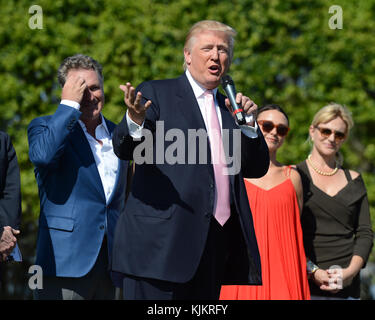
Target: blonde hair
332, 111
209, 25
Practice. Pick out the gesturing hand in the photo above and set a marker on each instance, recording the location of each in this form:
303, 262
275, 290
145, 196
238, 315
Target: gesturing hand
74, 88
136, 110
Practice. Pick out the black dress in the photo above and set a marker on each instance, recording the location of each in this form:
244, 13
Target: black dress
336, 228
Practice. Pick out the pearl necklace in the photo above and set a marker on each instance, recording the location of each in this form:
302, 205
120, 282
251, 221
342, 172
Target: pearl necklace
320, 171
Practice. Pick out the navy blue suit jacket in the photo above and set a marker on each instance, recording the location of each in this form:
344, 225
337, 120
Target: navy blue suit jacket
74, 215
163, 230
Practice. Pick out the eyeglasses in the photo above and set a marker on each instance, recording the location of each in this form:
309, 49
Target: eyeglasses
326, 133
268, 126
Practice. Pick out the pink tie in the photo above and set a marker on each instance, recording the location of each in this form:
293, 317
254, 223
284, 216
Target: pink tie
221, 207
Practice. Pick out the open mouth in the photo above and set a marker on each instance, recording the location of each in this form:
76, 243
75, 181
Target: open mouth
214, 69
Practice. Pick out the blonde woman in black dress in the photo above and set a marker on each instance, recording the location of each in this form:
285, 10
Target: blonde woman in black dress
335, 220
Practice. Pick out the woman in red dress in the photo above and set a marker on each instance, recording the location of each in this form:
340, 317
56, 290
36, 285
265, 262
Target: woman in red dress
275, 201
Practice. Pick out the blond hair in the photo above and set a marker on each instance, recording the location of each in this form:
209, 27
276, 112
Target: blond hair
332, 111
209, 25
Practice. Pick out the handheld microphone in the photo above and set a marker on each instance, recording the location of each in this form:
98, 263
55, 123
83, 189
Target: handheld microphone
229, 88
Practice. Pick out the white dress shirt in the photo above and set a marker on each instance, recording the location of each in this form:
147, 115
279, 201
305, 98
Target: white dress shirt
105, 159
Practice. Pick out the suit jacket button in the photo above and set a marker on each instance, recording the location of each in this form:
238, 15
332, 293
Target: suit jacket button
101, 227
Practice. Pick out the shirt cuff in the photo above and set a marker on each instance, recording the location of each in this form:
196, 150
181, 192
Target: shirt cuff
135, 130
249, 131
71, 103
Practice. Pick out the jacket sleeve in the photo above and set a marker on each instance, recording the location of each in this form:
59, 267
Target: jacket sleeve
364, 235
10, 193
254, 156
47, 136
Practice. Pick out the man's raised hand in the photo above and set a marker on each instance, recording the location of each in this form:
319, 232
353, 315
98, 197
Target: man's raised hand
74, 88
136, 110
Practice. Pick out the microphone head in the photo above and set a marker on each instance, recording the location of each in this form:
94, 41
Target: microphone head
226, 80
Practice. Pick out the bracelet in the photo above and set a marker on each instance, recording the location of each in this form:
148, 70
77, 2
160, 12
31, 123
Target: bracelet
311, 268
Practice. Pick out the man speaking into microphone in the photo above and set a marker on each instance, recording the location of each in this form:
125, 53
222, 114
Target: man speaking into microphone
187, 228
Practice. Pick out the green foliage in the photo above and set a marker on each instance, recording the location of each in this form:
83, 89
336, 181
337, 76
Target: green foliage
285, 53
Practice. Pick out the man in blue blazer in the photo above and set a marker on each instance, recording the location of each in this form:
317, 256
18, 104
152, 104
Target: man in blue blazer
81, 187
169, 242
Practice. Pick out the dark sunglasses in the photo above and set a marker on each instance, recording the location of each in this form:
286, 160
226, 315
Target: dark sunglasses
325, 132
268, 126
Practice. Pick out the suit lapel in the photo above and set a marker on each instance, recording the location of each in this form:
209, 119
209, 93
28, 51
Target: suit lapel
188, 104
121, 164
82, 148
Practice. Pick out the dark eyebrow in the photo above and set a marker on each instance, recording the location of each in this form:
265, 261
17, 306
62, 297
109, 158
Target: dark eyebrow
94, 86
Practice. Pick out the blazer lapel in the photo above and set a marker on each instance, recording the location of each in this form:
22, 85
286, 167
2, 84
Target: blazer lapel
82, 148
188, 104
121, 163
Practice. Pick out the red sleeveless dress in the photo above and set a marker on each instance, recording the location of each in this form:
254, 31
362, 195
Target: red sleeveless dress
279, 234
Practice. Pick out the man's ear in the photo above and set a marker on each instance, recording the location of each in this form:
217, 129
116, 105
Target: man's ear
187, 56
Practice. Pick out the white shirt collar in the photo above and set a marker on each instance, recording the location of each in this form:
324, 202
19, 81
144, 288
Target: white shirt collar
198, 89
104, 124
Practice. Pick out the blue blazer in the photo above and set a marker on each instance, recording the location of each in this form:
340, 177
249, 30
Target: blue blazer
74, 215
163, 230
